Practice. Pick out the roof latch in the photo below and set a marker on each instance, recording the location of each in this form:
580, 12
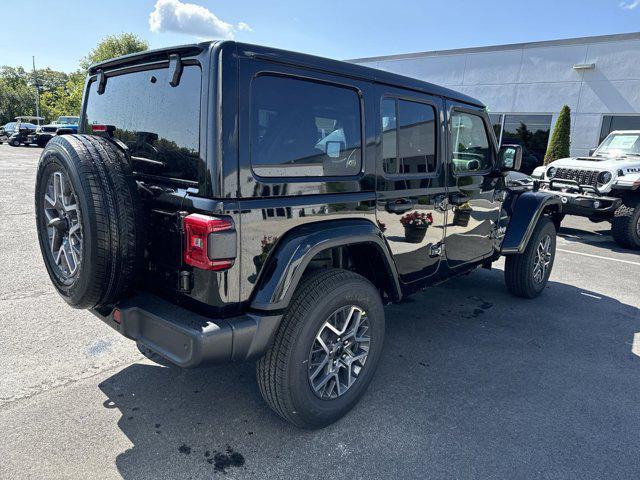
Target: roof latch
175, 65
102, 82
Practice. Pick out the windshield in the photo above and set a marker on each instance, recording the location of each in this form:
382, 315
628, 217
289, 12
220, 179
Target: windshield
620, 144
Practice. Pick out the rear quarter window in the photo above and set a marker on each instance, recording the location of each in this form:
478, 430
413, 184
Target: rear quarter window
159, 123
302, 128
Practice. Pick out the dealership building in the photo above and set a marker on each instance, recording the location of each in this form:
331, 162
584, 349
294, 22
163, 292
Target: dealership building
525, 85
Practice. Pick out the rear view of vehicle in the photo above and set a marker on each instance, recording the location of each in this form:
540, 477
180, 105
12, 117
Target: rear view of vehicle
117, 206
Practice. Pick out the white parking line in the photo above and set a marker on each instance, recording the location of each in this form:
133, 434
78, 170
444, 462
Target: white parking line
589, 295
600, 257
635, 347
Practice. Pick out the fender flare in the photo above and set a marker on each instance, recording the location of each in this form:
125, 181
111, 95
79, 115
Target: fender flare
527, 210
285, 267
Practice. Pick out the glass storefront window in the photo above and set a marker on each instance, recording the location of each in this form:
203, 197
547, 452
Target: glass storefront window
530, 131
496, 123
611, 123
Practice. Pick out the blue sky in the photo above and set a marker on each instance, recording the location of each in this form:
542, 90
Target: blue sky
60, 33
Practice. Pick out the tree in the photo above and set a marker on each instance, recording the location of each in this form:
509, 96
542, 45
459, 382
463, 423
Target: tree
60, 93
17, 96
65, 99
114, 46
561, 137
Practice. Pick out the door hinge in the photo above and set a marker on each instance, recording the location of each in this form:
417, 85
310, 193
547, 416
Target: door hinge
437, 250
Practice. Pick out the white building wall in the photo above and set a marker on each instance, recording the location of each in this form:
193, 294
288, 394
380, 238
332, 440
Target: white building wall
539, 78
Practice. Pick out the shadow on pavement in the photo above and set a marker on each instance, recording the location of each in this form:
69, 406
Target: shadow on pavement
473, 384
601, 238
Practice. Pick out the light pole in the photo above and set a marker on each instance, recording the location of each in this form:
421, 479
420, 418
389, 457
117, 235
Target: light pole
35, 81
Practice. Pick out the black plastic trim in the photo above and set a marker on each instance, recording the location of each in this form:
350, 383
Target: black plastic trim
528, 208
189, 339
285, 267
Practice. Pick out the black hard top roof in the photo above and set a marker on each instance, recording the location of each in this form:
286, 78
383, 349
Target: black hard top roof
291, 58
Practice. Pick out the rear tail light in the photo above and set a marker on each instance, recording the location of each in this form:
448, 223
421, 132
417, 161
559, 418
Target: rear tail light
210, 242
100, 129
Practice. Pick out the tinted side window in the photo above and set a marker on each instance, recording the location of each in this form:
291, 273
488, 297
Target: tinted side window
301, 128
469, 143
410, 149
389, 114
156, 121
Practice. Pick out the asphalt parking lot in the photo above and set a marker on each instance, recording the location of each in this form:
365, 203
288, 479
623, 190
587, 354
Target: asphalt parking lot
473, 383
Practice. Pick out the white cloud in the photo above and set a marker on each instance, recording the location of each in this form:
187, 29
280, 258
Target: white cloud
192, 19
629, 4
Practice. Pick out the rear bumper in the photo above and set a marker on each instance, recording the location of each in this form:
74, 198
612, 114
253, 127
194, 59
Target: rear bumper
187, 338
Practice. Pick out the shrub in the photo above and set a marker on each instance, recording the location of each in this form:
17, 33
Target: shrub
561, 137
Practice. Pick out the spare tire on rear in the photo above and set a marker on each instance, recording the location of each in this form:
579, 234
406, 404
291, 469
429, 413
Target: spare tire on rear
89, 220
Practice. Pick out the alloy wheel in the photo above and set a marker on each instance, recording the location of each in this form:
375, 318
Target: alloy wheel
542, 259
63, 223
339, 352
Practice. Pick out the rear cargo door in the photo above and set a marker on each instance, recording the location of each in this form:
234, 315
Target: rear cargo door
160, 124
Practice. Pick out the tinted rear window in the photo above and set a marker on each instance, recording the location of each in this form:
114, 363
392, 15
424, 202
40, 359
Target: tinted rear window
156, 121
301, 128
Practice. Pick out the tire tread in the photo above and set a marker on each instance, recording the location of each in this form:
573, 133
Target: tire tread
271, 368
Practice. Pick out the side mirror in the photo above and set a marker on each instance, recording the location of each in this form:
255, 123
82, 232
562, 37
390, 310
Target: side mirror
510, 157
592, 151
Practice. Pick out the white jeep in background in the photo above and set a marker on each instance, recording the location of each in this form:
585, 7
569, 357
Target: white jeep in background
604, 186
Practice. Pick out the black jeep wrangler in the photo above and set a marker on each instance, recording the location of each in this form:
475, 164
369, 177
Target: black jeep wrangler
230, 202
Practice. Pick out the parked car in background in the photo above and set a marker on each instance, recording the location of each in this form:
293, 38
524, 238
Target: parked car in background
24, 130
604, 186
10, 128
64, 125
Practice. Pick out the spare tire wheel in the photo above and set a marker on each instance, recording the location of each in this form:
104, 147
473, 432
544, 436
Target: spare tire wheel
89, 220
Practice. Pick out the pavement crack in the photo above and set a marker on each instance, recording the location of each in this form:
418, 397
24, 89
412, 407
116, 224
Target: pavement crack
21, 295
8, 402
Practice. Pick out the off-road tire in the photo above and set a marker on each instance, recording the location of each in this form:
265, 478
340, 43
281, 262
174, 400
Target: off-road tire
519, 269
111, 219
625, 225
282, 373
